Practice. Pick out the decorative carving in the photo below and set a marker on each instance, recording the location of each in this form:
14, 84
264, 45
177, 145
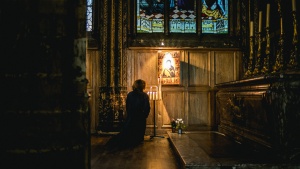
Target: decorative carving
250, 63
103, 42
278, 66
264, 110
284, 100
113, 69
112, 108
279, 62
257, 69
293, 63
266, 63
236, 107
122, 39
244, 33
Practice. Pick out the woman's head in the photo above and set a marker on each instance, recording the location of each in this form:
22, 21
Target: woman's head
139, 85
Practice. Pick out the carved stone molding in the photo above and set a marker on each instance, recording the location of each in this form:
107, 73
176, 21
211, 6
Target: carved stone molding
264, 110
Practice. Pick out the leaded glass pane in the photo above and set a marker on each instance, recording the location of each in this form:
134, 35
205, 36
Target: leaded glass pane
182, 16
89, 15
150, 16
214, 16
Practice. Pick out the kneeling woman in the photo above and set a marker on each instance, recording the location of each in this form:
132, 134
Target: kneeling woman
138, 109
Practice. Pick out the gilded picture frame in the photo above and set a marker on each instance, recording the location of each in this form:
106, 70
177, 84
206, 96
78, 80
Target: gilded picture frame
169, 67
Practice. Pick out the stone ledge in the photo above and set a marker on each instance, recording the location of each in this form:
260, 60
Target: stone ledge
213, 150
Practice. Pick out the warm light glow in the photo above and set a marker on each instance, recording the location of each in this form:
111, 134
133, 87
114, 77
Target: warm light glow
281, 26
251, 28
259, 21
293, 5
169, 67
153, 93
168, 62
268, 15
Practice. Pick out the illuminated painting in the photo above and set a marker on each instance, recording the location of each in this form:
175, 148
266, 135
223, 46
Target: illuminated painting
169, 67
214, 16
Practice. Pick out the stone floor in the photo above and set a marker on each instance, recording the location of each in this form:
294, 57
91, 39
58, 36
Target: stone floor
190, 150
207, 149
153, 153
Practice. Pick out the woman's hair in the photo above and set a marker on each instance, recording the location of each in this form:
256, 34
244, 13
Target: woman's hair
139, 85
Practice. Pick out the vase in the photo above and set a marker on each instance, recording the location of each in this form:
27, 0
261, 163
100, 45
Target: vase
173, 129
180, 131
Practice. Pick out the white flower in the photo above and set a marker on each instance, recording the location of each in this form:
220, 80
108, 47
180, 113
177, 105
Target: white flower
179, 123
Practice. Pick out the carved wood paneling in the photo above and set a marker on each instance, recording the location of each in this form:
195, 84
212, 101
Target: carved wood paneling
191, 99
146, 67
199, 68
224, 66
173, 106
198, 108
262, 112
243, 112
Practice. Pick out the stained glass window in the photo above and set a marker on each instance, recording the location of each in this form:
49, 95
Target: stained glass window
150, 16
182, 16
89, 15
214, 16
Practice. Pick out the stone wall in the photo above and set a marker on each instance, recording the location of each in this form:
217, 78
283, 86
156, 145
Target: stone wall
44, 112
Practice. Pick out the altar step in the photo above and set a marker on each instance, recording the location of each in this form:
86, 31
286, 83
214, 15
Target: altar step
213, 150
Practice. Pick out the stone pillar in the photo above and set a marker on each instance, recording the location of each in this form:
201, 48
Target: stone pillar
44, 112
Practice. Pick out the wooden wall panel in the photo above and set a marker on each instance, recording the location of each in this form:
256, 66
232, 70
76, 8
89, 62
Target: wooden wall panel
172, 106
146, 67
224, 66
198, 108
199, 68
191, 99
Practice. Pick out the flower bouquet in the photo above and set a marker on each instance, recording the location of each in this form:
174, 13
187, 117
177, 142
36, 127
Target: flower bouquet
177, 124
180, 124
